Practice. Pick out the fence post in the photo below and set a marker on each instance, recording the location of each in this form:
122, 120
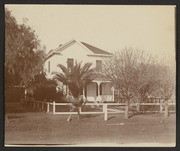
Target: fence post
138, 106
34, 105
42, 106
54, 107
47, 108
166, 109
105, 111
37, 105
161, 107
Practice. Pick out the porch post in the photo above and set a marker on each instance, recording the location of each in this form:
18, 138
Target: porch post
98, 88
47, 107
25, 93
98, 98
112, 89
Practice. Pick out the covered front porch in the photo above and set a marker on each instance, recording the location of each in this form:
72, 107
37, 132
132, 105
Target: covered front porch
99, 91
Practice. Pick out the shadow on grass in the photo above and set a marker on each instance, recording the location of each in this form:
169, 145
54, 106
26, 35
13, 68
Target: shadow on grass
111, 118
145, 113
14, 117
135, 114
142, 113
18, 108
88, 116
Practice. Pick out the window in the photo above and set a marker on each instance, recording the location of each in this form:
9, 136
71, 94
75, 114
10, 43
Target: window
70, 63
49, 70
98, 65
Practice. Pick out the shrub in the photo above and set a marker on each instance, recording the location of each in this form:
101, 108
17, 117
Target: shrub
45, 89
14, 94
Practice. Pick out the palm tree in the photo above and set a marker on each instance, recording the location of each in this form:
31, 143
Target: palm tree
76, 78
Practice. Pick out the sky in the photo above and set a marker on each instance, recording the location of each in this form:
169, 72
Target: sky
109, 27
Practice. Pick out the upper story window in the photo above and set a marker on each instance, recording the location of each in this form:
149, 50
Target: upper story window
49, 66
70, 63
98, 65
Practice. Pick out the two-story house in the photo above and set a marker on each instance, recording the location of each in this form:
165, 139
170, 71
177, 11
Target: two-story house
66, 54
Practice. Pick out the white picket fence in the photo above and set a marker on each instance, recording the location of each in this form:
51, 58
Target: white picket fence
50, 107
103, 106
161, 105
45, 106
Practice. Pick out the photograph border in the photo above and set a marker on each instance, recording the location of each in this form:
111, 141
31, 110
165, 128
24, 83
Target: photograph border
89, 2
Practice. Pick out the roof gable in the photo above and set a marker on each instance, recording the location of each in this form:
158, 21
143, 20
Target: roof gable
89, 48
95, 49
68, 44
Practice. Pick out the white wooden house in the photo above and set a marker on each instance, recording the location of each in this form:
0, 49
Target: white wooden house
78, 51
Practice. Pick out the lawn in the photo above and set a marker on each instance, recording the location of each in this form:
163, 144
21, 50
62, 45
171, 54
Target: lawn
42, 128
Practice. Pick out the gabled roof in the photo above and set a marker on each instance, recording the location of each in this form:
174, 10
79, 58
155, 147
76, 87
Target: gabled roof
91, 49
95, 49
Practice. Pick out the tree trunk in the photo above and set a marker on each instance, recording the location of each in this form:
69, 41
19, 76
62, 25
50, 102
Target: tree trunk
127, 109
138, 107
166, 109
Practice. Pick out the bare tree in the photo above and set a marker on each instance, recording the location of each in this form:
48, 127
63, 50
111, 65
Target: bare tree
166, 82
131, 71
146, 80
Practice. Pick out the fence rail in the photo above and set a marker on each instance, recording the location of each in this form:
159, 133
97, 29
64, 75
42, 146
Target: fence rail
50, 107
40, 105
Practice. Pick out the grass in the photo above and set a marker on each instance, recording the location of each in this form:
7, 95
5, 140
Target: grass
42, 128
27, 127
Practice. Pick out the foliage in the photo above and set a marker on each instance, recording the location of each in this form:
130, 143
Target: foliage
76, 77
14, 94
22, 59
45, 89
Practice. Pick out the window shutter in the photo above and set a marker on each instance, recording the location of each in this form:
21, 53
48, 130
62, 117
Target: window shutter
70, 63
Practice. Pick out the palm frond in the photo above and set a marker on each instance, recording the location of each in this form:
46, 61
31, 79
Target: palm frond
76, 78
63, 68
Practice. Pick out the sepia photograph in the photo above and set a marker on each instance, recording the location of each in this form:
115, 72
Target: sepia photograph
90, 75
